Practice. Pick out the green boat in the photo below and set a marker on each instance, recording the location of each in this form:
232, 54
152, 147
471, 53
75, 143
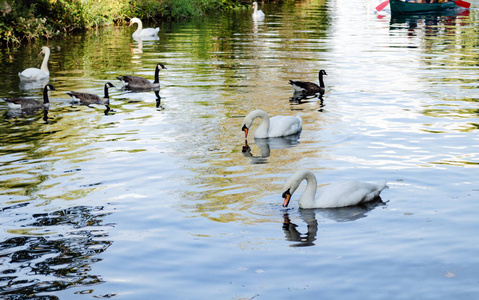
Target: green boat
403, 7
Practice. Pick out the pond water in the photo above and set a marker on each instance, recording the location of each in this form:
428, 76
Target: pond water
157, 200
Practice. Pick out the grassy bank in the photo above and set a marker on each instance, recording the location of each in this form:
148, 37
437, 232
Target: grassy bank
26, 20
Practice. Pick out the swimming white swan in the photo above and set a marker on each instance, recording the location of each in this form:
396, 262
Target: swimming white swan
32, 74
257, 14
272, 127
339, 194
31, 104
143, 32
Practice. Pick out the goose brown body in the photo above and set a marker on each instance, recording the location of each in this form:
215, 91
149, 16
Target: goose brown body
31, 104
87, 98
310, 88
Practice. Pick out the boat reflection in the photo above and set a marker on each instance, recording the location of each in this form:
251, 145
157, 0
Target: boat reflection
265, 146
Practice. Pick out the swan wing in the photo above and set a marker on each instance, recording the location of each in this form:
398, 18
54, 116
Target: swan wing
284, 126
348, 193
31, 74
149, 31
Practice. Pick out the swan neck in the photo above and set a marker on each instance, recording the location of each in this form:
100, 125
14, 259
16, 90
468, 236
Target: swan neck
307, 198
44, 66
263, 128
140, 27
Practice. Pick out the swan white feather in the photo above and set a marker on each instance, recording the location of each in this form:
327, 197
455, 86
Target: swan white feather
257, 14
143, 32
340, 194
32, 74
276, 126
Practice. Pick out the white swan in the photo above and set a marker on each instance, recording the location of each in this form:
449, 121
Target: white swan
272, 127
32, 74
258, 15
339, 194
143, 32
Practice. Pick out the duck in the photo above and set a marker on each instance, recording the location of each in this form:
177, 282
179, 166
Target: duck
310, 88
135, 82
87, 99
258, 15
32, 74
31, 104
340, 194
276, 126
143, 32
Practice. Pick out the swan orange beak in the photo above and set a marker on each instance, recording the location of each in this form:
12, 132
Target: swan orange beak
287, 196
245, 129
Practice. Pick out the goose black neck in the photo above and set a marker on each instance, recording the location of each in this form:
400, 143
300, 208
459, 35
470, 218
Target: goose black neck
106, 91
45, 95
157, 73
321, 82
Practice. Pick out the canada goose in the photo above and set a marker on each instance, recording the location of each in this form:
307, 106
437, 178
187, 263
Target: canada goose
135, 82
31, 104
143, 32
258, 15
87, 99
339, 194
309, 88
32, 74
272, 127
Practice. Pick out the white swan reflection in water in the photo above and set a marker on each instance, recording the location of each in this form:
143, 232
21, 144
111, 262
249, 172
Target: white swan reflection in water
339, 215
265, 146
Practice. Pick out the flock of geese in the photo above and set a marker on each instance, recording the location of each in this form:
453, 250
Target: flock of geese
340, 194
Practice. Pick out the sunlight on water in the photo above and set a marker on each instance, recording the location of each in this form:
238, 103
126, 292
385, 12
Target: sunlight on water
155, 193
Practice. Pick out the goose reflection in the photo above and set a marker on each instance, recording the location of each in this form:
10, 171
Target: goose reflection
12, 113
339, 215
300, 98
265, 146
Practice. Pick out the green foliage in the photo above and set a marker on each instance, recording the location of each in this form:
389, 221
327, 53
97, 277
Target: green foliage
23, 20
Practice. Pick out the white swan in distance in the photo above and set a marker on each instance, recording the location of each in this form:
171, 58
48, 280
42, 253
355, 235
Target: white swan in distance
32, 74
143, 32
339, 194
276, 126
258, 15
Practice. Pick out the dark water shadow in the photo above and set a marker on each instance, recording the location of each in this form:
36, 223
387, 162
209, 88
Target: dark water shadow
34, 263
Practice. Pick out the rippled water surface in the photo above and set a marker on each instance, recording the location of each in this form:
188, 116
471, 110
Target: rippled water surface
162, 200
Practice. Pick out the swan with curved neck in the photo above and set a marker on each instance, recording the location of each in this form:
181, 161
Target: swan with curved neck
32, 74
135, 82
276, 126
257, 14
339, 194
310, 88
87, 99
31, 104
143, 32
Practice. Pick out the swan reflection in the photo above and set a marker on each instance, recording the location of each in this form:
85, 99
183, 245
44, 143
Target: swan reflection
339, 215
265, 146
293, 235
